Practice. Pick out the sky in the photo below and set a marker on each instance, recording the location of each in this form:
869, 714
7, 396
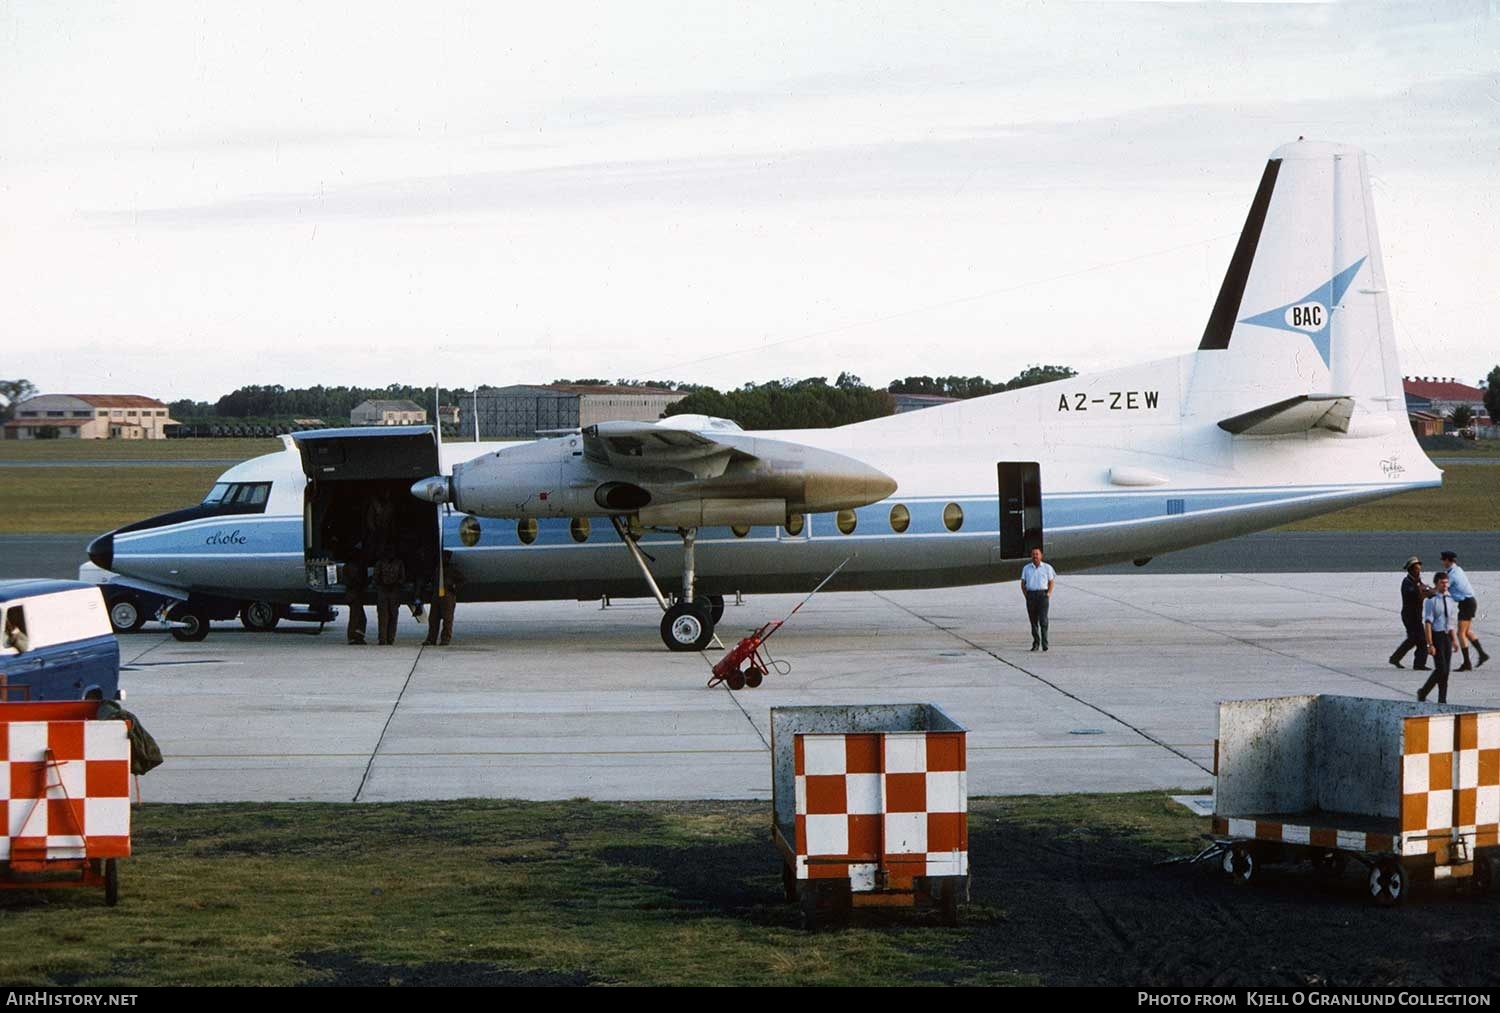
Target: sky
195, 197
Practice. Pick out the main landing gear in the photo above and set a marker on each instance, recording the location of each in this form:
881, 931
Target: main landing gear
689, 624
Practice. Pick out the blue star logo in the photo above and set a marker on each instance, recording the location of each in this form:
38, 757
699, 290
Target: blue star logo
1312, 314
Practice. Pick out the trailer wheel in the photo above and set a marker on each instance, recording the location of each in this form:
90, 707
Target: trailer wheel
111, 882
1239, 863
752, 677
1387, 882
735, 679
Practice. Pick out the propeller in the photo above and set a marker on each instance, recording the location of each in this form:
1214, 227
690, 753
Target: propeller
437, 427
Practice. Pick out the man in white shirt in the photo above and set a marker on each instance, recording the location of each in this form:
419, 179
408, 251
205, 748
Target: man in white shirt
1440, 616
1468, 607
1037, 579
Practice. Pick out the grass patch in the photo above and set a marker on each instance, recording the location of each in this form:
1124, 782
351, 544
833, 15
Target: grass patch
1466, 501
92, 500
494, 892
136, 450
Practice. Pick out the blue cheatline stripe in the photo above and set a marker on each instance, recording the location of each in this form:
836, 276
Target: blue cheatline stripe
281, 535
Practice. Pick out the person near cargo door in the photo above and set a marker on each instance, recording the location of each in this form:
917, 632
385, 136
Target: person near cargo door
444, 602
1440, 615
1037, 579
1414, 594
390, 575
1468, 607
355, 580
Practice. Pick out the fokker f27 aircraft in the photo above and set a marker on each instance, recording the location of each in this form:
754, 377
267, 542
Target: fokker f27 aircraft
1291, 406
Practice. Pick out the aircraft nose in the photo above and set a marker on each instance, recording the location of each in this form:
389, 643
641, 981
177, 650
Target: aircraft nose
102, 551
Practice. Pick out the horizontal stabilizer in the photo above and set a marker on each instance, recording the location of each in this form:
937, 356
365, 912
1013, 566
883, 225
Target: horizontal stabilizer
1294, 415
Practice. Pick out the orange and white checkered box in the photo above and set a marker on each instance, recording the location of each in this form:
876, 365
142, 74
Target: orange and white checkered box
66, 787
895, 802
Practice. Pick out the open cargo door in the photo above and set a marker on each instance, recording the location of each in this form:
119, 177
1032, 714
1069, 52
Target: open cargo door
359, 504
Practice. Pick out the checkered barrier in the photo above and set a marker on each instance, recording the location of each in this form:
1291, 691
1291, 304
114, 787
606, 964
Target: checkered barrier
1300, 833
67, 789
889, 805
1450, 783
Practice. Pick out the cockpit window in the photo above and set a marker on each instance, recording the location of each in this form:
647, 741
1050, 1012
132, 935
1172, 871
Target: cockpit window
238, 494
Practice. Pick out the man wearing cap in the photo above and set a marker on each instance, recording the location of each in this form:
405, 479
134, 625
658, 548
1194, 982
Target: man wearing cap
1468, 607
1413, 594
1441, 618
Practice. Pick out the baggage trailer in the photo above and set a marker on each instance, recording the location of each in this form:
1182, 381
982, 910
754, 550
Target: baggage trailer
64, 796
870, 807
1409, 790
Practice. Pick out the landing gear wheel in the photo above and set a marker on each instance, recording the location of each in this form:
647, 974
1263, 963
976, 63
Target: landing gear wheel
1387, 882
1239, 863
686, 627
715, 606
259, 616
194, 627
752, 677
125, 615
1330, 864
111, 882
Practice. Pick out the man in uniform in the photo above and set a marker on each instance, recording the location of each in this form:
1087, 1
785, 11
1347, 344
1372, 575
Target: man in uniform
1441, 618
1468, 608
1413, 594
354, 590
1037, 579
444, 601
390, 574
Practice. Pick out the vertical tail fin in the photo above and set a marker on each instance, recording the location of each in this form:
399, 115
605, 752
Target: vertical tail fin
1308, 262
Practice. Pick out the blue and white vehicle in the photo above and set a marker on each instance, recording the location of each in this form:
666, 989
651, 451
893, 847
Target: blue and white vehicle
56, 642
1291, 406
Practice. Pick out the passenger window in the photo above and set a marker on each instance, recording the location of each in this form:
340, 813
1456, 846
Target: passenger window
579, 529
794, 524
740, 530
900, 518
953, 516
526, 530
846, 520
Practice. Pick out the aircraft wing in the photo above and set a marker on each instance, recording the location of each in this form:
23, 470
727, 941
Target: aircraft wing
649, 447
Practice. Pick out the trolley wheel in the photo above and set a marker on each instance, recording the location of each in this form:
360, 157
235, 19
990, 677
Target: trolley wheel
1239, 863
1387, 882
789, 882
1330, 864
752, 677
125, 615
735, 679
948, 902
686, 627
111, 882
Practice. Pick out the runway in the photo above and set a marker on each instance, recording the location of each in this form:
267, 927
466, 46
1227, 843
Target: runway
561, 700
